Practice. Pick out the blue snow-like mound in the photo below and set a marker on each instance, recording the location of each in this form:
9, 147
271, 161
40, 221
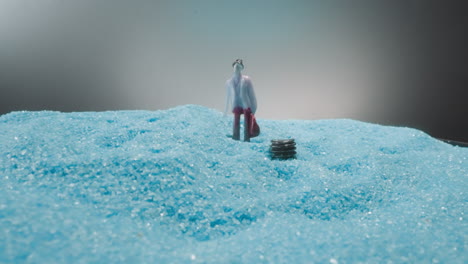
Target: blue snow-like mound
171, 187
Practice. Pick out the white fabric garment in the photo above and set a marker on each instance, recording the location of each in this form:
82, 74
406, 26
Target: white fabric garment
240, 93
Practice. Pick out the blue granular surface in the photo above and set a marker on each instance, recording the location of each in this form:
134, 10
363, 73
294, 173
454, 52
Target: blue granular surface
172, 187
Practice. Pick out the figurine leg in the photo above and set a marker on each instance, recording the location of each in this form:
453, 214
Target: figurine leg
247, 123
236, 125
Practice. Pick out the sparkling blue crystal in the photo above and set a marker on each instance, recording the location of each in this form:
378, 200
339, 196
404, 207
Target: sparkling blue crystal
171, 187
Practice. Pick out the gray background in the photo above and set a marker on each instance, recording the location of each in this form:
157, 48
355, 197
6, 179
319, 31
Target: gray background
389, 62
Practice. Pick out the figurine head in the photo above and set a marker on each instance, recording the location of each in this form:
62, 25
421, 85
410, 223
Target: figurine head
238, 65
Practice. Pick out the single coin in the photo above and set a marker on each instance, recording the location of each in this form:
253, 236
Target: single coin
283, 141
282, 153
285, 157
284, 147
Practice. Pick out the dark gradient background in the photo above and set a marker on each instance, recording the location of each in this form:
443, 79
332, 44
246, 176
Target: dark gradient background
401, 63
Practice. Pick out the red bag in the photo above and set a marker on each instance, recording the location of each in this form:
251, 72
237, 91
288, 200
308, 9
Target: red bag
254, 128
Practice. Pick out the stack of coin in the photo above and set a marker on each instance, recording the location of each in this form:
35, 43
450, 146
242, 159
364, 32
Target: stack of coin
283, 149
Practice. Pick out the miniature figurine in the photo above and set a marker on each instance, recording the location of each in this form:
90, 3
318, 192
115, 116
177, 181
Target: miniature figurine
241, 100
